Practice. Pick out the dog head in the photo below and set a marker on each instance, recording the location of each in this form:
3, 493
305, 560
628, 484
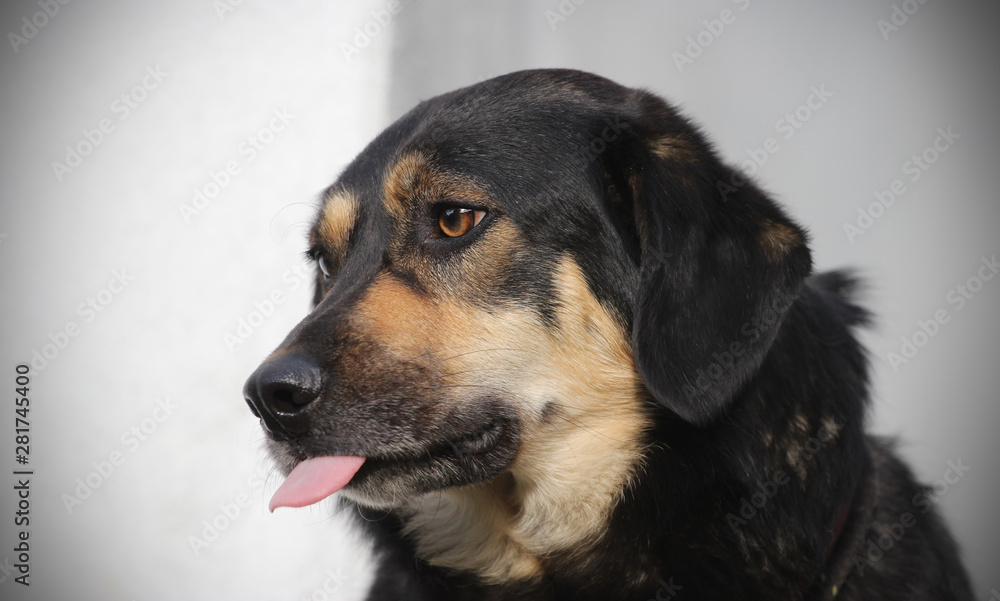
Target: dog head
536, 263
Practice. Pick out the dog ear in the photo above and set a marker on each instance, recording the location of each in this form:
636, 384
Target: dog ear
719, 262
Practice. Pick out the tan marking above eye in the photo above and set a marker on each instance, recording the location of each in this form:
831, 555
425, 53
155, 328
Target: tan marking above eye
457, 221
336, 220
403, 179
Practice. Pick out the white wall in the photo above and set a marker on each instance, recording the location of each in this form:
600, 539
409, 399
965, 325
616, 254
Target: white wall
162, 336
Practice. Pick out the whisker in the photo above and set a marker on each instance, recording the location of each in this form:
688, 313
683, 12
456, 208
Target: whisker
467, 353
582, 426
500, 369
436, 386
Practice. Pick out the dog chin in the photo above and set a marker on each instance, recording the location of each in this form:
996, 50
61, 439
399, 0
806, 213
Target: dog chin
396, 487
385, 499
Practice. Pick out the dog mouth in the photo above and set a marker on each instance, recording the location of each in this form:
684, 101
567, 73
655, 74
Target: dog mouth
372, 477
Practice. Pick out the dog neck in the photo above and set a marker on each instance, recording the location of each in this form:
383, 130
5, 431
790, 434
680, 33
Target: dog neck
557, 498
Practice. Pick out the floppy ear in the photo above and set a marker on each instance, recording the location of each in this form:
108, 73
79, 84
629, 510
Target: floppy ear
720, 264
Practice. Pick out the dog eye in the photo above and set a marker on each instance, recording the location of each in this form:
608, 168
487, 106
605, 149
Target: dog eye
457, 221
322, 266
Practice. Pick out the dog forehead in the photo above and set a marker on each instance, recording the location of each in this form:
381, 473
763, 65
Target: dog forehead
521, 117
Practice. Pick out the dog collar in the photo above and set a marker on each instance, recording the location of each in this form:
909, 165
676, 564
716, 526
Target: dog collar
848, 537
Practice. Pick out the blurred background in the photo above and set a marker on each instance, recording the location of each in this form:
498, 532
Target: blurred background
161, 162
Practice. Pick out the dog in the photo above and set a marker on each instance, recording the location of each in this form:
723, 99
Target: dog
560, 350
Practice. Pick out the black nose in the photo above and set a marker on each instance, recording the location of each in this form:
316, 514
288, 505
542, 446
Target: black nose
279, 393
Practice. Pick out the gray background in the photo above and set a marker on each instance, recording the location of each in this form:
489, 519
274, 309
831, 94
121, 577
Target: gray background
164, 336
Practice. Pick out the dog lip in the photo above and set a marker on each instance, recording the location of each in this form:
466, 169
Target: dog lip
478, 441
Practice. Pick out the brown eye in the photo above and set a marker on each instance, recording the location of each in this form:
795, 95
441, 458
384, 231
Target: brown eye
455, 222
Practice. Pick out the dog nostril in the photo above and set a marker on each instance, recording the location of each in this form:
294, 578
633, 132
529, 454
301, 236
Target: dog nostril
282, 401
288, 398
279, 392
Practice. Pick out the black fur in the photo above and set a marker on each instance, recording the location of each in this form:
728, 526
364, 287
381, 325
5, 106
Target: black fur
757, 480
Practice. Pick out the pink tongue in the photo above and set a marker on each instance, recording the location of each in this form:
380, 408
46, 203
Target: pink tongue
314, 480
